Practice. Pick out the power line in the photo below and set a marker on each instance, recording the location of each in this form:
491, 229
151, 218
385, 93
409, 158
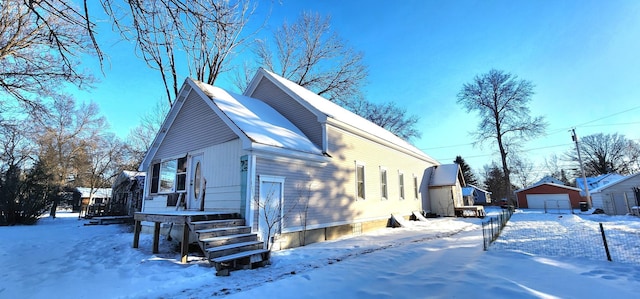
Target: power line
553, 132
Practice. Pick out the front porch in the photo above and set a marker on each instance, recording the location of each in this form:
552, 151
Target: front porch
223, 237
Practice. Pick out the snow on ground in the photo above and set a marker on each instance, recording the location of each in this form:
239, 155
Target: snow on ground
440, 258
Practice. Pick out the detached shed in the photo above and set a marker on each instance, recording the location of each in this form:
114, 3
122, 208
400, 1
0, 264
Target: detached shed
618, 197
543, 195
445, 189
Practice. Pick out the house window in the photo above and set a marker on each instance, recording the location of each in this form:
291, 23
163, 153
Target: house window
181, 174
360, 181
401, 183
383, 183
171, 176
415, 187
155, 177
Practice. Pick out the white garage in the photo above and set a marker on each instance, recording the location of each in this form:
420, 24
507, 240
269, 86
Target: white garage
550, 201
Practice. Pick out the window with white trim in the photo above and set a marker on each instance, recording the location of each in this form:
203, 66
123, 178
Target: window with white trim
415, 187
401, 184
360, 182
383, 183
169, 176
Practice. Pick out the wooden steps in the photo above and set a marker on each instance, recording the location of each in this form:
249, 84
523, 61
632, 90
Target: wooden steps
228, 243
245, 260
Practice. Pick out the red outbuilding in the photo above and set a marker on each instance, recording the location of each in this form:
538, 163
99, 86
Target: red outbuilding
549, 195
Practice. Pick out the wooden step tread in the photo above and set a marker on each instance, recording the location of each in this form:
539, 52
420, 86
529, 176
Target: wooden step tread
215, 221
238, 255
234, 245
219, 229
226, 237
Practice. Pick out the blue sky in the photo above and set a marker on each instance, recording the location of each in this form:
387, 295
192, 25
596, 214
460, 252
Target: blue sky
582, 56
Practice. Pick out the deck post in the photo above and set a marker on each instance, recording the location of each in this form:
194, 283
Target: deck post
156, 236
136, 233
184, 248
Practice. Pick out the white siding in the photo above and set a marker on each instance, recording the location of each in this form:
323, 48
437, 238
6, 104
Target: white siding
300, 116
333, 186
221, 169
196, 126
618, 197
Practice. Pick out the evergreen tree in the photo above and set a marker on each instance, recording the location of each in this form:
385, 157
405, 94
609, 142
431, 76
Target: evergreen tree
469, 177
494, 182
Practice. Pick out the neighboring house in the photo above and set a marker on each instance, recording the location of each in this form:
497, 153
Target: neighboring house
597, 182
618, 197
549, 179
280, 147
445, 189
127, 193
474, 195
93, 200
549, 196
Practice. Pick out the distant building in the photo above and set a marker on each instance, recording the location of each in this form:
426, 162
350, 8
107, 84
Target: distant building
474, 195
597, 182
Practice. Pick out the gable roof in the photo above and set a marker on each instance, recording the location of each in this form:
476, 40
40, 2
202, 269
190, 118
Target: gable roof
477, 188
259, 126
599, 181
446, 175
615, 182
97, 192
468, 191
329, 112
549, 179
259, 121
549, 184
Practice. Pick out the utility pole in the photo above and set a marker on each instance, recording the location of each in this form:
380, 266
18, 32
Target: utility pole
574, 137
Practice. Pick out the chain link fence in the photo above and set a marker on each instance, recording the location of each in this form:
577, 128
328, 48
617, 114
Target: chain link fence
492, 227
572, 236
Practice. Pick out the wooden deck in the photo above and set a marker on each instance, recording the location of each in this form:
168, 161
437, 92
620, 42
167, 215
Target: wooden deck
470, 211
175, 217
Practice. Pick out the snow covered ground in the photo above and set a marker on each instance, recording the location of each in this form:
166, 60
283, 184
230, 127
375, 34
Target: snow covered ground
441, 258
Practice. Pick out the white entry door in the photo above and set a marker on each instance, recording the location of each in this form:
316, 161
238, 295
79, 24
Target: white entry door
270, 206
196, 184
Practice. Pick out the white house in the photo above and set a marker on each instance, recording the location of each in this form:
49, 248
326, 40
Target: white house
619, 196
327, 171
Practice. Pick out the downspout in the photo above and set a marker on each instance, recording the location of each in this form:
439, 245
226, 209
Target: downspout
251, 187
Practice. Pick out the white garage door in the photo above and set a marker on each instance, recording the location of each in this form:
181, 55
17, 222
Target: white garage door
553, 201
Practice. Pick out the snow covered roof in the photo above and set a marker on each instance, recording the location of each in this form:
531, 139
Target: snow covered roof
445, 175
550, 184
467, 191
614, 182
97, 192
320, 105
549, 179
259, 121
599, 181
477, 188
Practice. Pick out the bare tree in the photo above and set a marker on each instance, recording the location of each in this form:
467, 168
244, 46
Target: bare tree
304, 196
64, 135
607, 153
311, 55
140, 137
40, 47
387, 115
270, 211
522, 169
206, 32
552, 164
16, 148
501, 101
